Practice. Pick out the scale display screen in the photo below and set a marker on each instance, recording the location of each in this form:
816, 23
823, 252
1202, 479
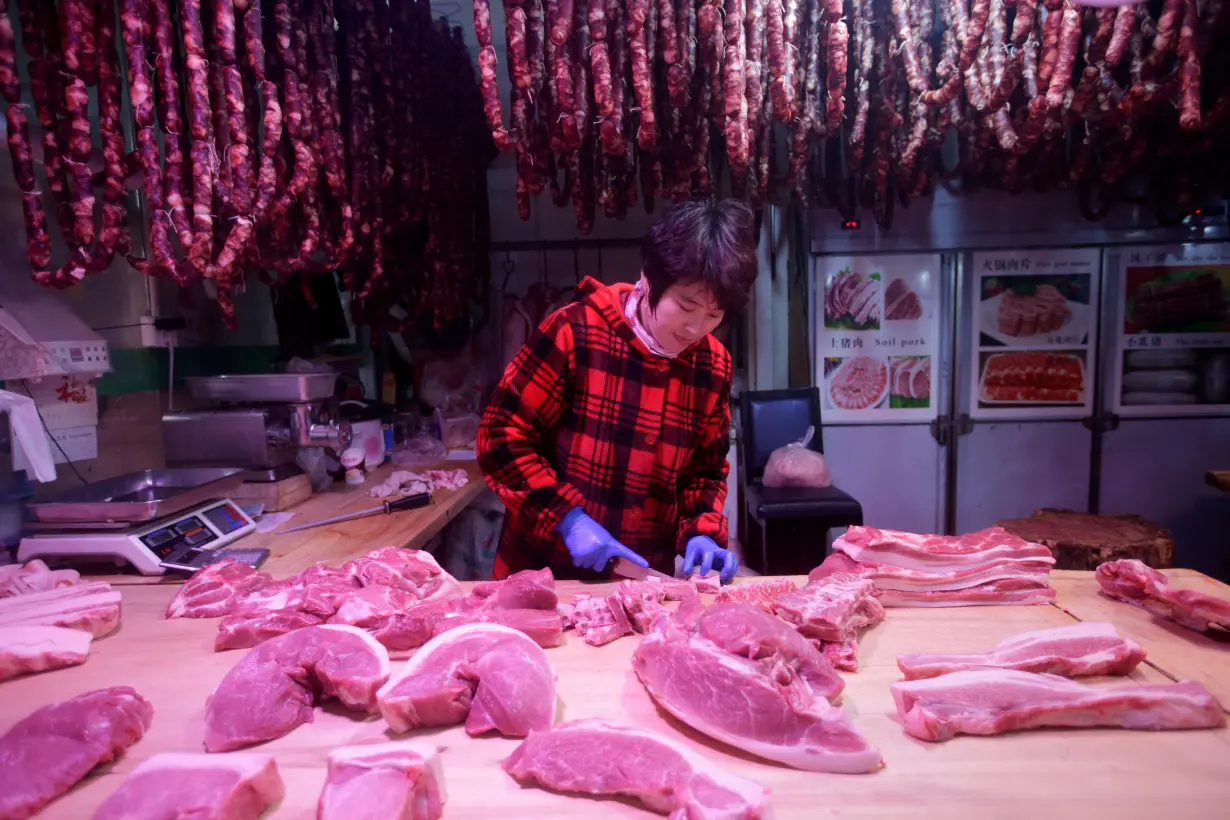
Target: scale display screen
226, 519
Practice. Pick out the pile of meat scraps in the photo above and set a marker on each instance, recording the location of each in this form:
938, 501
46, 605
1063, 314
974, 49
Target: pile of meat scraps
1140, 585
991, 567
404, 482
402, 597
633, 607
737, 654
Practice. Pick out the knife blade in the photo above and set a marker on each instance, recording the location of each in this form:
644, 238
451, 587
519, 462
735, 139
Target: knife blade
627, 569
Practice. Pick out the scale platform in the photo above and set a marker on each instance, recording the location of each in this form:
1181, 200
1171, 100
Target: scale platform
181, 541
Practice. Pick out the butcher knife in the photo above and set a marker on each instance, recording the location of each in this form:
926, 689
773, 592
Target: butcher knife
628, 569
410, 502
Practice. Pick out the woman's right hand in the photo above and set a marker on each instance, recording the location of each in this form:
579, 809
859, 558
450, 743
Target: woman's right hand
590, 545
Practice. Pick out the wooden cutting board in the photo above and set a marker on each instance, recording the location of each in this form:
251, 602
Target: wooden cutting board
1181, 653
1051, 774
1083, 540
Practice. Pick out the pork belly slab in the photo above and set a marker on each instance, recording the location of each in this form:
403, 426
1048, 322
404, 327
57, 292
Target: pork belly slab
994, 701
1082, 649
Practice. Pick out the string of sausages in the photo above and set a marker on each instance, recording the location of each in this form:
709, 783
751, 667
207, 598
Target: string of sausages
289, 138
683, 98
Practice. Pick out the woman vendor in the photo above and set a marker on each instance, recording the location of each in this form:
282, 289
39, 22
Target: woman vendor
608, 434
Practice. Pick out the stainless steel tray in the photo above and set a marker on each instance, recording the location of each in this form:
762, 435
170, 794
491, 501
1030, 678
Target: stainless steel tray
141, 496
290, 387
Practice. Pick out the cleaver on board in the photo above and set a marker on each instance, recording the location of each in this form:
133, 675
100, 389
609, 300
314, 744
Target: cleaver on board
628, 569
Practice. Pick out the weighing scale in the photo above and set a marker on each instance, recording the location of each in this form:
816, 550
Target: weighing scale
154, 520
179, 541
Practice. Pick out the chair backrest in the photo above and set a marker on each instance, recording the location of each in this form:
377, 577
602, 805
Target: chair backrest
769, 419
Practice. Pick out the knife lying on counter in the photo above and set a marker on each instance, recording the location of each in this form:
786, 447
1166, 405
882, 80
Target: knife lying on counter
627, 569
410, 502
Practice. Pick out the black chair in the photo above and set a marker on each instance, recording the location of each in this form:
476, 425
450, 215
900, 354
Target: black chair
786, 528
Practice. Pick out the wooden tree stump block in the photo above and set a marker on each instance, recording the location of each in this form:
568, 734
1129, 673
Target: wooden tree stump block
1083, 540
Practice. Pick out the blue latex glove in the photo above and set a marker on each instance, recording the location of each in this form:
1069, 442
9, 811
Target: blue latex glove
591, 546
702, 552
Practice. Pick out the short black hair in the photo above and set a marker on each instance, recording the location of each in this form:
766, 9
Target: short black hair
704, 240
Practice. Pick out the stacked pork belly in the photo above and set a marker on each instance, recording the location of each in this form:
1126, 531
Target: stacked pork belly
991, 567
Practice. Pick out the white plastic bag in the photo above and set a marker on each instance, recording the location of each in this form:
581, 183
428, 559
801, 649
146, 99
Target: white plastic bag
796, 466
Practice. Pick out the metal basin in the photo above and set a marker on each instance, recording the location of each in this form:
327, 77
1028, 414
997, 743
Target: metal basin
141, 496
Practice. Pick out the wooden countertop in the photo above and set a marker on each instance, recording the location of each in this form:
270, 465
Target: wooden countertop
338, 543
1075, 773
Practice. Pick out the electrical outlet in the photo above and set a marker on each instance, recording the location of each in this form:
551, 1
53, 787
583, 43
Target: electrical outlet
152, 336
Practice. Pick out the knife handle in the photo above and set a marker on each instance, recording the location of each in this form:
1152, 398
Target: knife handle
410, 502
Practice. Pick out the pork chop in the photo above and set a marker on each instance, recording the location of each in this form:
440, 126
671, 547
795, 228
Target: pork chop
26, 649
993, 701
274, 687
489, 676
1082, 649
197, 786
44, 754
602, 758
244, 631
211, 591
384, 781
414, 571
748, 704
743, 630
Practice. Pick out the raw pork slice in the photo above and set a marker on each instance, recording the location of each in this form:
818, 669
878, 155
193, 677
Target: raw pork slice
827, 609
1005, 592
26, 649
754, 705
528, 589
197, 786
242, 631
35, 576
94, 607
761, 594
44, 754
602, 758
273, 688
885, 576
1134, 582
394, 616
743, 630
415, 571
598, 621
545, 628
211, 592
993, 701
1082, 649
384, 781
936, 553
489, 676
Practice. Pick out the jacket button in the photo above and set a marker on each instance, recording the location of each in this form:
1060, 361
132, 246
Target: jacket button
651, 439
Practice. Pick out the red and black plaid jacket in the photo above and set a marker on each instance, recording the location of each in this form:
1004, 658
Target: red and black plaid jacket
585, 416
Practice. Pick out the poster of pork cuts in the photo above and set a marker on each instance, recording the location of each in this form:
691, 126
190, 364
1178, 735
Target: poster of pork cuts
1035, 331
1173, 355
877, 337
